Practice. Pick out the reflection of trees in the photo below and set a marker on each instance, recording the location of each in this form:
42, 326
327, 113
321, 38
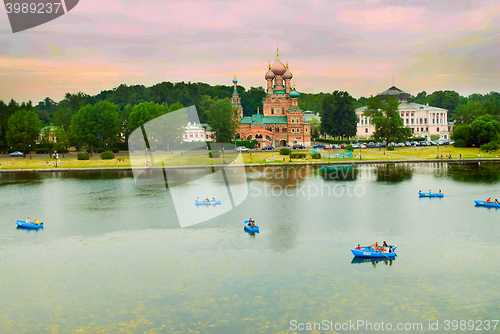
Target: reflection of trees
394, 173
281, 175
338, 173
474, 173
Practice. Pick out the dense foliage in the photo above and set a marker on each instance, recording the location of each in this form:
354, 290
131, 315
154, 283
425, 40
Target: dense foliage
137, 104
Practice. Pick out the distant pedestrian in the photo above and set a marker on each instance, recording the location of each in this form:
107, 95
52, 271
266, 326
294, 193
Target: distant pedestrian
460, 156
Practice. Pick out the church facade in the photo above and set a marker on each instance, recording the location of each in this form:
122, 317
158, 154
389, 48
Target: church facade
281, 122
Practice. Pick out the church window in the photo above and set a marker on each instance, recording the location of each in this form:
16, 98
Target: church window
272, 111
293, 130
282, 111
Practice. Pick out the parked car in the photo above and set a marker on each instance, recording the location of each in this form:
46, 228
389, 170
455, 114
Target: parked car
378, 145
361, 145
355, 145
242, 149
16, 154
371, 145
267, 148
298, 147
408, 144
342, 146
401, 144
318, 146
423, 143
337, 147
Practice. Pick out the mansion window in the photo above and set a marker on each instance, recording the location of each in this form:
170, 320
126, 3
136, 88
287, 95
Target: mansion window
425, 120
366, 130
437, 129
426, 129
420, 121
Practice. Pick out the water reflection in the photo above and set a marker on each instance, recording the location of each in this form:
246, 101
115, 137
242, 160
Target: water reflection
393, 173
374, 262
488, 173
338, 173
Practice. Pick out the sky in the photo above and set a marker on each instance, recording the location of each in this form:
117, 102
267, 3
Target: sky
356, 46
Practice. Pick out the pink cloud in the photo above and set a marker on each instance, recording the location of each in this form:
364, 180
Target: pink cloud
382, 19
198, 14
306, 18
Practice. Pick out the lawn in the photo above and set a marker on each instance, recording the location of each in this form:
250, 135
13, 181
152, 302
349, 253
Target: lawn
257, 157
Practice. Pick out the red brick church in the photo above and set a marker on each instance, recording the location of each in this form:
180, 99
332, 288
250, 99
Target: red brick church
281, 121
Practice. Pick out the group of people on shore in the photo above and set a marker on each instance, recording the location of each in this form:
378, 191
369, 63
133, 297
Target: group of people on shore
376, 247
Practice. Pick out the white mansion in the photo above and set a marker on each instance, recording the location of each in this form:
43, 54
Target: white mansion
424, 120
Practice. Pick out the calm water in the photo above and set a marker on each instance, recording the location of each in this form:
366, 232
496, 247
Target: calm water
112, 256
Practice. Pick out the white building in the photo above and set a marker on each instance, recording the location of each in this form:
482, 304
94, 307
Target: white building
197, 132
424, 120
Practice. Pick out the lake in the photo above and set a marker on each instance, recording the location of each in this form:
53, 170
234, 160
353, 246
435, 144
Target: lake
112, 257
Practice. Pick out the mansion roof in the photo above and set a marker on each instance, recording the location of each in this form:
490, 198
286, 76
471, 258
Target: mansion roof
411, 107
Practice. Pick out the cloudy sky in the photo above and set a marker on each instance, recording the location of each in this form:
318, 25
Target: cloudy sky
350, 45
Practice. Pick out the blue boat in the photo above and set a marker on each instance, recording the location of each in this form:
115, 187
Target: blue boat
33, 226
368, 251
429, 194
249, 228
207, 203
488, 205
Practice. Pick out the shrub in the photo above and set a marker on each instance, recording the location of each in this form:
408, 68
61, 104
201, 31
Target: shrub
285, 151
316, 156
459, 143
297, 155
107, 155
491, 146
83, 156
390, 148
214, 154
349, 147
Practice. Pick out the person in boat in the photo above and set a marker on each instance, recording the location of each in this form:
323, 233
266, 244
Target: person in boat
213, 199
207, 200
375, 246
496, 201
251, 223
420, 191
488, 200
390, 249
430, 192
28, 221
359, 247
439, 191
384, 244
37, 222
197, 199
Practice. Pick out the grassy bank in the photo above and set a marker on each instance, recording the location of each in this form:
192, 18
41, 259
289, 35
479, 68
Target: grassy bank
257, 157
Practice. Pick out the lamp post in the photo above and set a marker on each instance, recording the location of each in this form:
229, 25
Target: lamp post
30, 151
438, 150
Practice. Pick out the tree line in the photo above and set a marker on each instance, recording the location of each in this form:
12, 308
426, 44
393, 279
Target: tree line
106, 118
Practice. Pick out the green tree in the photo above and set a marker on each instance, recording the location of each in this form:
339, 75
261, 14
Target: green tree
144, 112
23, 129
62, 140
484, 130
96, 125
223, 119
338, 116
63, 115
385, 117
467, 113
315, 128
462, 132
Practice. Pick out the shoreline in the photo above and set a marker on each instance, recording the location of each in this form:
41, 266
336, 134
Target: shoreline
281, 164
